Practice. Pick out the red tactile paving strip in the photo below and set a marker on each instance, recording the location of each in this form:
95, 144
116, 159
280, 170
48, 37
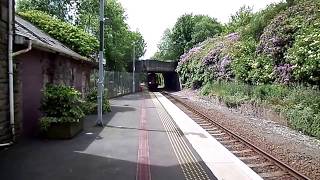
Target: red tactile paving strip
143, 166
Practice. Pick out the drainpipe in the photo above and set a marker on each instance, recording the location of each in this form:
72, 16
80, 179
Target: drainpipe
10, 69
23, 50
10, 45
6, 144
11, 92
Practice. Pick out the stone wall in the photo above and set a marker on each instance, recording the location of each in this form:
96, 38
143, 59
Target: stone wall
36, 69
5, 134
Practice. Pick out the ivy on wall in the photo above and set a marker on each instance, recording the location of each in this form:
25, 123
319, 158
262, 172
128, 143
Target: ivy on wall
72, 36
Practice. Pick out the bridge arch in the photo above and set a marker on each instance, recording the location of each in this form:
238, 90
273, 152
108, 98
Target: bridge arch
167, 69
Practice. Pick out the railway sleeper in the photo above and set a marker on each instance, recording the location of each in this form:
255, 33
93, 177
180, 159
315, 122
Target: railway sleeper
272, 174
228, 141
253, 161
214, 131
233, 145
205, 123
242, 151
259, 165
218, 134
249, 157
223, 138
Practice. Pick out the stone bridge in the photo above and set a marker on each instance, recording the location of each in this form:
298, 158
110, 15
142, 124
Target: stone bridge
167, 69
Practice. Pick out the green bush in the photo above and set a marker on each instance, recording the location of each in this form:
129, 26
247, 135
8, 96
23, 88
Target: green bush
304, 119
74, 37
260, 20
243, 54
239, 20
305, 55
91, 106
232, 93
273, 58
299, 104
60, 104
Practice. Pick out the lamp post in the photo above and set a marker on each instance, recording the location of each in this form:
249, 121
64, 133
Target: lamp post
133, 68
99, 121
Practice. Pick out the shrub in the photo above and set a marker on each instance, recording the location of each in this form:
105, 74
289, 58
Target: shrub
262, 70
305, 120
232, 93
304, 56
243, 55
274, 49
91, 106
60, 104
280, 34
75, 38
299, 104
260, 20
239, 20
208, 61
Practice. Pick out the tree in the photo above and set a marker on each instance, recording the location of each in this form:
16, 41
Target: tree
165, 51
85, 14
188, 31
72, 36
239, 20
290, 2
205, 27
58, 8
119, 40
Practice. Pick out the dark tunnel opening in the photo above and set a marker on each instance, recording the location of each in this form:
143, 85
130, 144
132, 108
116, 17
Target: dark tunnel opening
170, 80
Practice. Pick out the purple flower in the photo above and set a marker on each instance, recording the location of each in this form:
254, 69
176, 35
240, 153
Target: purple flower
233, 37
213, 56
284, 73
186, 56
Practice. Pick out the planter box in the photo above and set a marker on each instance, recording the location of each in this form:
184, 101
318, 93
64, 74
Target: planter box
64, 130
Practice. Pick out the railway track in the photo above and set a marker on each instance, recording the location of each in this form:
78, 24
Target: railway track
264, 164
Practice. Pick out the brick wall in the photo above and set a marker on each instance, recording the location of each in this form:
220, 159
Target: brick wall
4, 109
5, 130
36, 69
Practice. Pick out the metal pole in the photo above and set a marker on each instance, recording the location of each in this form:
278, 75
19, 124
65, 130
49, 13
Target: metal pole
99, 121
133, 68
10, 69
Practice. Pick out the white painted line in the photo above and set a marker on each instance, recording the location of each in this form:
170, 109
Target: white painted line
223, 164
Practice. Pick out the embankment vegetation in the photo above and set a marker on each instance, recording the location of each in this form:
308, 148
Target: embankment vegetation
270, 57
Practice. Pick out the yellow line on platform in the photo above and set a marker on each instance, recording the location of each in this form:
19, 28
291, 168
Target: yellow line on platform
189, 164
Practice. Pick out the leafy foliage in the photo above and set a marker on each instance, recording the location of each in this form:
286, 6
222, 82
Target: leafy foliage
188, 31
60, 104
119, 40
299, 104
239, 20
165, 51
72, 36
91, 106
58, 8
275, 49
211, 60
304, 56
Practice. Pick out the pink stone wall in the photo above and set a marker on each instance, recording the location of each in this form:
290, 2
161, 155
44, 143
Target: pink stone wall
37, 68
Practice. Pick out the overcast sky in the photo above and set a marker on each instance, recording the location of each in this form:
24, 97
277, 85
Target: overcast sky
152, 17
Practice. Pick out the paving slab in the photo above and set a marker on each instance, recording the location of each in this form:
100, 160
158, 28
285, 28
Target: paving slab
134, 133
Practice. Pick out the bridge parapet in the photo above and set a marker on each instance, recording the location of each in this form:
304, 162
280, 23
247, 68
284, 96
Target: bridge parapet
155, 66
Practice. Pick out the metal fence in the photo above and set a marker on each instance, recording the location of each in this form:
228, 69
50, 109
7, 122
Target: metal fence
120, 83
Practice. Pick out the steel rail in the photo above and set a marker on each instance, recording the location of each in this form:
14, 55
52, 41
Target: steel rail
279, 163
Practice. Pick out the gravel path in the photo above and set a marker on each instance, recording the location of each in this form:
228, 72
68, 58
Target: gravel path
297, 150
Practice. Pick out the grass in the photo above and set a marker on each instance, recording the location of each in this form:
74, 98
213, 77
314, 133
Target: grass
300, 105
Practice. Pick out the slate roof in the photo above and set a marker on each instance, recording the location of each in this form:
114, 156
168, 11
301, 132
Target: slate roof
43, 41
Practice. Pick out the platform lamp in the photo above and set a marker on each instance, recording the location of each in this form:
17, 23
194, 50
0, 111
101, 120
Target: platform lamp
133, 66
99, 121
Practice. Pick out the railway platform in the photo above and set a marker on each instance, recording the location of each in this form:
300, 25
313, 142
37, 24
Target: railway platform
145, 137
